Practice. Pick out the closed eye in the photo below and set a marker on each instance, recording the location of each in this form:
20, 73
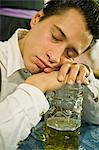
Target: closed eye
55, 39
71, 53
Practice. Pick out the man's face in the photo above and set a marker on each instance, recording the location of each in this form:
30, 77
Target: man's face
54, 40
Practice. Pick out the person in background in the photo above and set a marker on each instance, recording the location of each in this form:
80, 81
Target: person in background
43, 59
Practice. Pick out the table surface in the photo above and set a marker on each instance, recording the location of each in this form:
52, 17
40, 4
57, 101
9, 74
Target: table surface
89, 138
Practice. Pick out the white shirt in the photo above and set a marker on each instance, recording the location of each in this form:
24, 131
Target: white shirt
22, 105
94, 55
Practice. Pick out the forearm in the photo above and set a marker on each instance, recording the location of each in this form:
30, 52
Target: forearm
21, 111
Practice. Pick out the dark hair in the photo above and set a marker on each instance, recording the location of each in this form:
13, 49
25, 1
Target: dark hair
89, 8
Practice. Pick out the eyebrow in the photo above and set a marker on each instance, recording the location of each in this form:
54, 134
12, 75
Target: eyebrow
62, 33
59, 29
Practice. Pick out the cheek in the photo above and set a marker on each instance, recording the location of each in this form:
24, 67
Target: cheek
45, 45
27, 57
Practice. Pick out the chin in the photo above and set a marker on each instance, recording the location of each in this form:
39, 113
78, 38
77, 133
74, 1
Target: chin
33, 69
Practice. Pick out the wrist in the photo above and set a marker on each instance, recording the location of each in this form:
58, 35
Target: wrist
34, 82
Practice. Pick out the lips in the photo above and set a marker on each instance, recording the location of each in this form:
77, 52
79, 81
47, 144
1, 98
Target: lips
40, 63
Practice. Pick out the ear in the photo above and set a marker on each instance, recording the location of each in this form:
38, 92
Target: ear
35, 19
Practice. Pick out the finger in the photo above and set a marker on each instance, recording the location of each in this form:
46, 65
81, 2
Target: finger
85, 81
72, 75
83, 72
63, 71
48, 70
86, 69
66, 77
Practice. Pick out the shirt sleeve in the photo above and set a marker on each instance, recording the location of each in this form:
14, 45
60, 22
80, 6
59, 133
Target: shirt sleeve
91, 100
19, 112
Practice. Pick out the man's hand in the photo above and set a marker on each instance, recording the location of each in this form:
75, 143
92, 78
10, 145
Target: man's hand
45, 81
73, 73
69, 73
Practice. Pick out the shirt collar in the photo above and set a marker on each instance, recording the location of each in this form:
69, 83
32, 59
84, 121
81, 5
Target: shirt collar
15, 61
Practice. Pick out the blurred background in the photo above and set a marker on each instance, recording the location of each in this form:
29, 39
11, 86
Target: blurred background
16, 14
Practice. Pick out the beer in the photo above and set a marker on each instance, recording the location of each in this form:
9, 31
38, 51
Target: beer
63, 119
57, 138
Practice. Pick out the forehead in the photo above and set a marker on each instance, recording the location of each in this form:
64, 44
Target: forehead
73, 25
71, 18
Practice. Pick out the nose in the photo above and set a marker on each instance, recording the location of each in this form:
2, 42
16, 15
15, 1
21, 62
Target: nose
55, 55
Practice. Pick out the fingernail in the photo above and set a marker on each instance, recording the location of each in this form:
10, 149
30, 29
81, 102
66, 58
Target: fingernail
70, 82
87, 82
78, 81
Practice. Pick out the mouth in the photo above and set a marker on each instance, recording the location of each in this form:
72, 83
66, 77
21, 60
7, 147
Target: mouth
41, 63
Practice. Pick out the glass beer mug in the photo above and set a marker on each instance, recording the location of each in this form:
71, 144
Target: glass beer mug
63, 119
